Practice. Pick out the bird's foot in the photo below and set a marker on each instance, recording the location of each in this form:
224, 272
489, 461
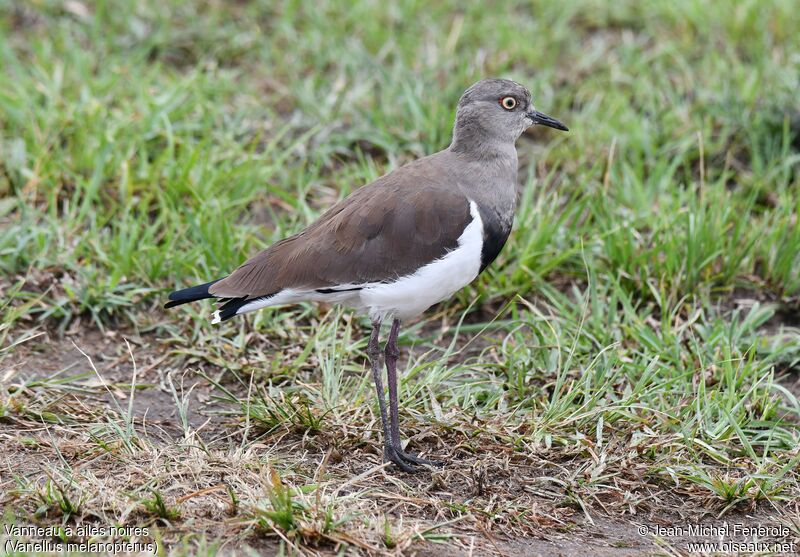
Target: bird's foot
407, 462
390, 455
413, 459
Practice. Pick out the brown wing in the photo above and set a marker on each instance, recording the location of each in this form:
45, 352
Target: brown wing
382, 231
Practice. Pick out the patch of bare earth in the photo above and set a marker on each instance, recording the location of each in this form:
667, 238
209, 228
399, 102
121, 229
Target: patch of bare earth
188, 466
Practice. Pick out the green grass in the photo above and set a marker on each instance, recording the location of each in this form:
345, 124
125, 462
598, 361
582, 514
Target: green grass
640, 325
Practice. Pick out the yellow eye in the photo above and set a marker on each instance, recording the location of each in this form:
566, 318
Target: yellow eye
508, 103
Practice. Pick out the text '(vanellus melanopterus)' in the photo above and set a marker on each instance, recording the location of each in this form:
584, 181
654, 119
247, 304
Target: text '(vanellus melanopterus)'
402, 243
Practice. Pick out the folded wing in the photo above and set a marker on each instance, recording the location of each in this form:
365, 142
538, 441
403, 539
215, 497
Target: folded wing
381, 232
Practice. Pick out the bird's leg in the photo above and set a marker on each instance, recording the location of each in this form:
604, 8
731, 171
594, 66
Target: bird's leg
374, 353
392, 353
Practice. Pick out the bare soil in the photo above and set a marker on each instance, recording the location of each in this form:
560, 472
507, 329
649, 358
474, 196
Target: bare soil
551, 526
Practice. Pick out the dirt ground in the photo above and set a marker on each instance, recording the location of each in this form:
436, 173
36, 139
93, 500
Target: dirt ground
548, 528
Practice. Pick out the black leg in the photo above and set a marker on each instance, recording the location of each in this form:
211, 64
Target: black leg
392, 354
374, 353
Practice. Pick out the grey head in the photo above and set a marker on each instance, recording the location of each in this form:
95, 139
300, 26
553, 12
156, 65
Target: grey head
493, 113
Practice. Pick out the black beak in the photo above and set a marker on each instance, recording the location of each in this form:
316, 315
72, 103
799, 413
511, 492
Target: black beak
545, 120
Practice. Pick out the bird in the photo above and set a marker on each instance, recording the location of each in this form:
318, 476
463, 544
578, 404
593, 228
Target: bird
402, 243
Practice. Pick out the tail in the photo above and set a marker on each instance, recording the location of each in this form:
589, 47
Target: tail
229, 309
230, 306
192, 294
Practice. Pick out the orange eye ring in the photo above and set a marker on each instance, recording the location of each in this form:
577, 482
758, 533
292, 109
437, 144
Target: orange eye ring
509, 103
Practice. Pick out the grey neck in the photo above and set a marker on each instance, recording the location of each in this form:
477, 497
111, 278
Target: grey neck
472, 140
490, 162
486, 159
488, 177
472, 144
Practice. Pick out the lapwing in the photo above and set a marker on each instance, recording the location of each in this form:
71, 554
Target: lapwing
402, 243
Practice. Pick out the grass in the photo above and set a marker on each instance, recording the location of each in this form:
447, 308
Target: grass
633, 350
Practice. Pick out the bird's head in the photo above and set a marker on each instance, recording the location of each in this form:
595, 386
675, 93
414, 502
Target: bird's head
498, 109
